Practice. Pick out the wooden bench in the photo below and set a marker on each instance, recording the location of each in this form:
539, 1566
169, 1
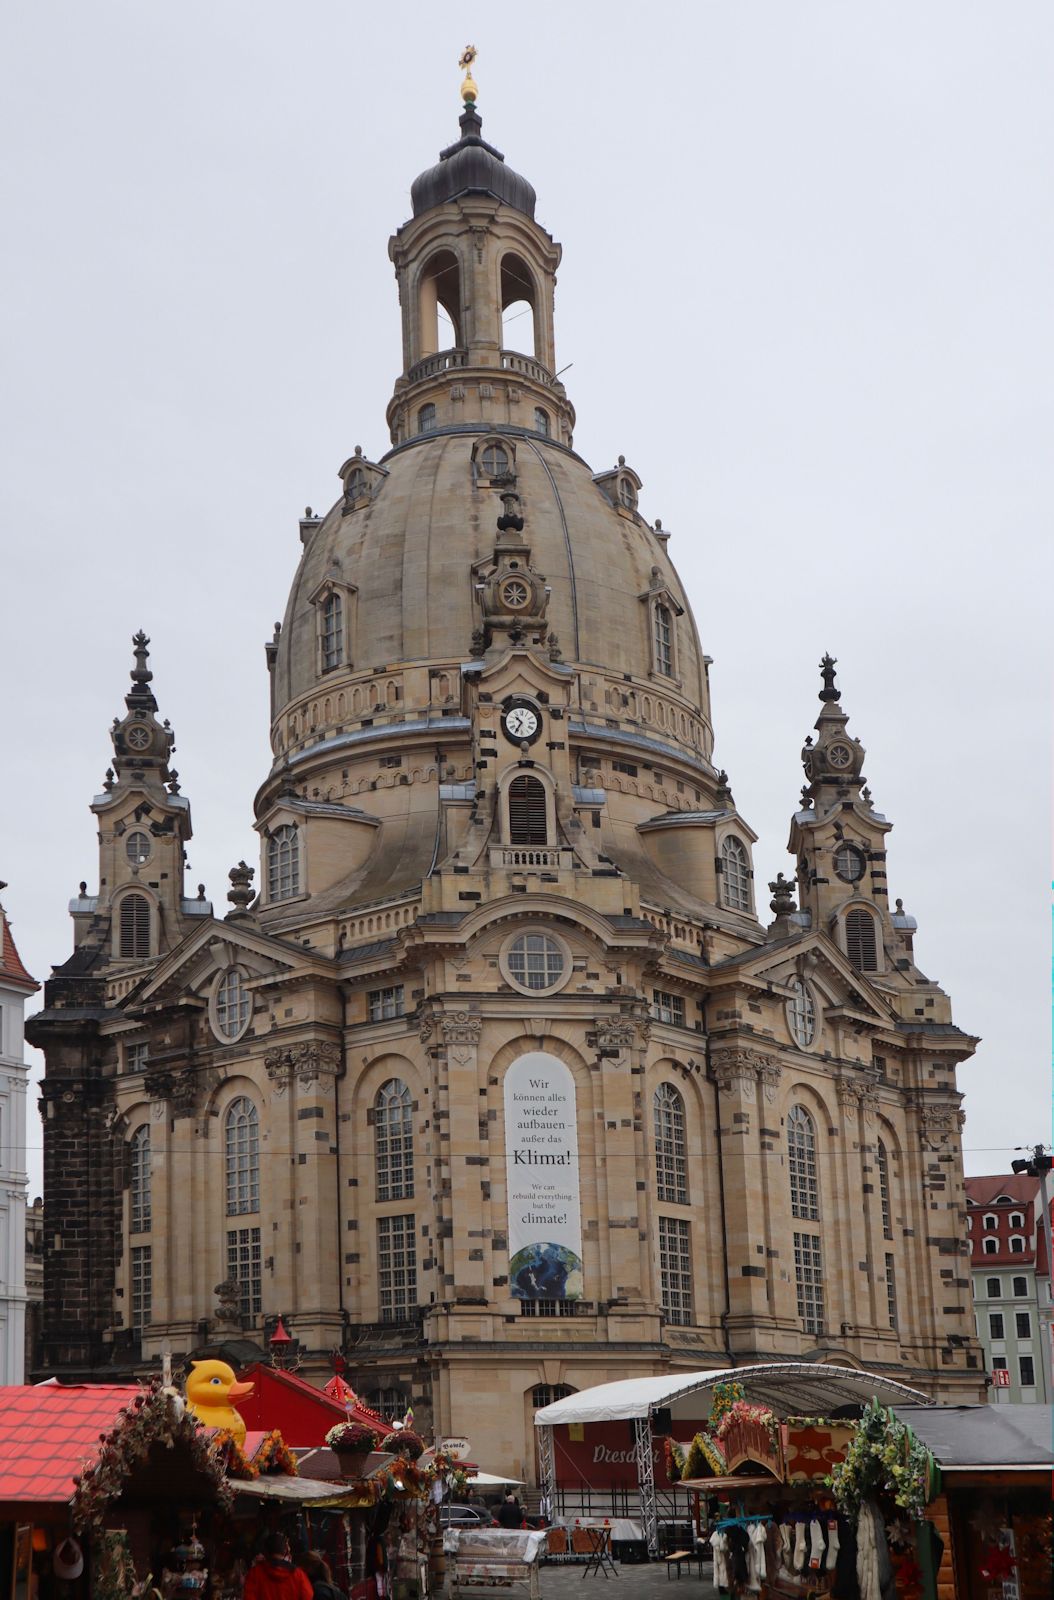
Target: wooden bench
677, 1558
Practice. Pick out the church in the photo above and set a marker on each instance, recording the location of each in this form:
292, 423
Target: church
499, 1075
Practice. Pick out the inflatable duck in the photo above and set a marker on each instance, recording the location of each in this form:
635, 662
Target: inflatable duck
211, 1387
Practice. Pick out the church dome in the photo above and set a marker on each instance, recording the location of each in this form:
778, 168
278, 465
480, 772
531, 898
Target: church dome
410, 557
471, 166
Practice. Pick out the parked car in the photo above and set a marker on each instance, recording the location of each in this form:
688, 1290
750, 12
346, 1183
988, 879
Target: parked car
465, 1517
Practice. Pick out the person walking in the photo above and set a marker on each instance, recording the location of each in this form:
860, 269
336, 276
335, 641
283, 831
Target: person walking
274, 1577
314, 1563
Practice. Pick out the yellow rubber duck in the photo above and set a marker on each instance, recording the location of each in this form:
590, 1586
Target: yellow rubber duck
211, 1386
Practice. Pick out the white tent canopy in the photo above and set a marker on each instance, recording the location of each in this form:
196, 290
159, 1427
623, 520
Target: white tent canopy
802, 1388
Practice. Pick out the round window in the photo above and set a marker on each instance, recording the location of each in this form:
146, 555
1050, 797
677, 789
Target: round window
137, 737
536, 963
801, 1013
137, 848
515, 593
495, 461
231, 1005
849, 863
839, 755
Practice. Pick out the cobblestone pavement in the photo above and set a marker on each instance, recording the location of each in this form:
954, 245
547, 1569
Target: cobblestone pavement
643, 1581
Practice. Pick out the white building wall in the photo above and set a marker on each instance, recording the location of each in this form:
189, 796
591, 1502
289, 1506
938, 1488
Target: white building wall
14, 1081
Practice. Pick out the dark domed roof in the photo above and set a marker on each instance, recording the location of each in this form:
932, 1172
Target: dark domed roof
471, 167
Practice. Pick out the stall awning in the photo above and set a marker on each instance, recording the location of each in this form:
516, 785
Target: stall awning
293, 1491
1003, 1438
802, 1388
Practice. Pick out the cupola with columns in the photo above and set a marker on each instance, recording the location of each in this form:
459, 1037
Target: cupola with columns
472, 251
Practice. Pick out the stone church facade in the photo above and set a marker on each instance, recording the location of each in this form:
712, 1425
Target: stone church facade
500, 874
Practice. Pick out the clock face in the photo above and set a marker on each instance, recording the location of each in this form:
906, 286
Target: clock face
521, 723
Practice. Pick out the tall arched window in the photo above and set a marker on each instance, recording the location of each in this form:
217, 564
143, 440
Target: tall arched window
671, 1152
393, 1125
883, 1191
735, 874
801, 1162
241, 1141
528, 823
231, 1005
283, 863
663, 623
332, 632
426, 419
861, 945
542, 424
140, 1180
134, 930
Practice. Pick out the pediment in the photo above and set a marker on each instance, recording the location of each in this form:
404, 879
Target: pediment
818, 958
191, 967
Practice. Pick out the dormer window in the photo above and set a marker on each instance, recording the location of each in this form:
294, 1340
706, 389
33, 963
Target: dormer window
495, 461
355, 487
627, 493
542, 424
663, 639
283, 863
735, 874
426, 419
332, 624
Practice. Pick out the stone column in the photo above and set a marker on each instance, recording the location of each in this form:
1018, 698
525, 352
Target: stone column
464, 1256
626, 1232
735, 1071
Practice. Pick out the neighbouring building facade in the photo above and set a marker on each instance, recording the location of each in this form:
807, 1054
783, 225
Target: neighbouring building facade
503, 1079
16, 986
1011, 1284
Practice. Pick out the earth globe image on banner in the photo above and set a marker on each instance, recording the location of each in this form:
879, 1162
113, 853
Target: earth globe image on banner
546, 1272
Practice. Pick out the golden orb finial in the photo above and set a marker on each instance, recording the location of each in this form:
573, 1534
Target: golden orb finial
469, 92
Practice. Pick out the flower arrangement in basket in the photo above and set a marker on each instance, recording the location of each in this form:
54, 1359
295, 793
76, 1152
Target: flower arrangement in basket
403, 1442
352, 1442
743, 1411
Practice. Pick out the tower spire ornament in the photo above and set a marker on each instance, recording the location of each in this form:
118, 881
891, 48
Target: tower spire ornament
469, 92
827, 666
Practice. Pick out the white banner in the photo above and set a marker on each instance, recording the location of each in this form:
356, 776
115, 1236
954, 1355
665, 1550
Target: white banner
541, 1161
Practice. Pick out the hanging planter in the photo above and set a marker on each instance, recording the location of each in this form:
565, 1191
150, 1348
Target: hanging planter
352, 1443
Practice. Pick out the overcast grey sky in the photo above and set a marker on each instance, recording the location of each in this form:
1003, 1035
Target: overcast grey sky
805, 290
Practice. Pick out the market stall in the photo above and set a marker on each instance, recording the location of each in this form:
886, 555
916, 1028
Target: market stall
103, 1486
645, 1410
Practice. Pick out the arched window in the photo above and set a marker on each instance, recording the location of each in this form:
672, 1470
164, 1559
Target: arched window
134, 934
426, 419
332, 632
137, 848
1017, 1245
802, 1010
541, 422
528, 823
663, 622
860, 944
1017, 1219
801, 1162
140, 1180
627, 493
231, 1004
671, 1152
735, 871
883, 1191
990, 1220
355, 486
495, 461
546, 1394
439, 304
393, 1126
283, 863
518, 323
991, 1247
241, 1143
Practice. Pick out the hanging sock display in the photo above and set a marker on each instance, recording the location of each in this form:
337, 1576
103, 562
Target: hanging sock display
799, 1547
815, 1546
832, 1543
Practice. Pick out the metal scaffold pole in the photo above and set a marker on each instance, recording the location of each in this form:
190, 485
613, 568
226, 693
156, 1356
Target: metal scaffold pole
547, 1468
646, 1482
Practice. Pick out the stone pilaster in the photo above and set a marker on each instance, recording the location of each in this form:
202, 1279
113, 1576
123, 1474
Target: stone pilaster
735, 1070
465, 1267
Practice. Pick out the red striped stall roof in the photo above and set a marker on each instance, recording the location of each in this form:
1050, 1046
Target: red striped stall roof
49, 1433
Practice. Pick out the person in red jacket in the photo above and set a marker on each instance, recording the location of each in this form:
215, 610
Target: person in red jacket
275, 1577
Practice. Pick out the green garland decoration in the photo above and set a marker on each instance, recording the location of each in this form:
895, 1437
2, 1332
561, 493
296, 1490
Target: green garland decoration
885, 1458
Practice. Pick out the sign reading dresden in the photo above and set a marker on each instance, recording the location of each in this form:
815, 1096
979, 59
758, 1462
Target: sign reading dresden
541, 1160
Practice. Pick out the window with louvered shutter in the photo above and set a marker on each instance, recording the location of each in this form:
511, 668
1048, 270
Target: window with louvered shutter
527, 820
860, 944
135, 926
